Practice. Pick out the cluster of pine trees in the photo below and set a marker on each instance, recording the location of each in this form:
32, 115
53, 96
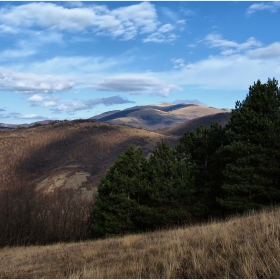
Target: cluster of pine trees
212, 172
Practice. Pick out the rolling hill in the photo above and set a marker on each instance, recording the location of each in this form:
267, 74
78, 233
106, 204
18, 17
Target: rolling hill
155, 117
70, 154
76, 154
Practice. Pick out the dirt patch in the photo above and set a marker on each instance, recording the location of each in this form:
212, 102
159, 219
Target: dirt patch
63, 180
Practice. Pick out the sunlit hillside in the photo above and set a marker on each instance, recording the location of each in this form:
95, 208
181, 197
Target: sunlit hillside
154, 117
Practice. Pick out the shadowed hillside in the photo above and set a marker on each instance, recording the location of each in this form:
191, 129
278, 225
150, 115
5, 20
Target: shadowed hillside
49, 176
191, 125
73, 154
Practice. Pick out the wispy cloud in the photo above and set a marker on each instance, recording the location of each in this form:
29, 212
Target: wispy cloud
232, 72
75, 65
164, 34
178, 63
136, 84
32, 44
7, 29
169, 13
159, 37
268, 6
79, 105
269, 52
228, 47
22, 117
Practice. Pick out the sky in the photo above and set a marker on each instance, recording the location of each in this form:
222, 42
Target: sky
72, 60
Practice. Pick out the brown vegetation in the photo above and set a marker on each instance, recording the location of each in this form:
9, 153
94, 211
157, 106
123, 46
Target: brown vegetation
49, 175
242, 247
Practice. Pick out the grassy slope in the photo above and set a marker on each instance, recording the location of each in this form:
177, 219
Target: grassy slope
69, 153
242, 247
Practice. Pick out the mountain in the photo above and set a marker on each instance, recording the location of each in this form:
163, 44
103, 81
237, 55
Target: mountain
155, 117
191, 125
76, 154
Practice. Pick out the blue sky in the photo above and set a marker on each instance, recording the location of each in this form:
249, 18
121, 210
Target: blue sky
69, 60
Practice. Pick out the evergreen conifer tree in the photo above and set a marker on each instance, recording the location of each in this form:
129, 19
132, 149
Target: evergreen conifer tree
119, 193
170, 186
199, 151
252, 156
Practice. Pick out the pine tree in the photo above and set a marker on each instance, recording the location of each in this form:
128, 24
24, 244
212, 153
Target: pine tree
199, 151
252, 156
119, 194
170, 187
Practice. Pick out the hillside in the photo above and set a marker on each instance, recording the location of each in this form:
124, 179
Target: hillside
191, 125
71, 154
155, 117
241, 247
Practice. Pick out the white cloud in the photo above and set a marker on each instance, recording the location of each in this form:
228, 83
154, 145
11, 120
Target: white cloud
79, 105
234, 72
31, 83
166, 28
269, 6
158, 37
30, 116
36, 98
16, 53
270, 52
178, 63
182, 21
124, 22
136, 84
228, 47
49, 103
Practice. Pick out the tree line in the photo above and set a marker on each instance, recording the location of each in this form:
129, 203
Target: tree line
213, 172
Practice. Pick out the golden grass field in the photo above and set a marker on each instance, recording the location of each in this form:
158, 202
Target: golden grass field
241, 247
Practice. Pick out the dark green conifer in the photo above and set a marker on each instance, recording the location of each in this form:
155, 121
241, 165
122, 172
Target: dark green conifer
170, 186
252, 157
199, 151
119, 193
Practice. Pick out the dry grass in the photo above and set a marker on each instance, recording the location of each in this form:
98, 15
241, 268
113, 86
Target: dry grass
246, 247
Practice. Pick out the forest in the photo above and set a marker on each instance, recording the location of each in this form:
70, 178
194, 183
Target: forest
213, 172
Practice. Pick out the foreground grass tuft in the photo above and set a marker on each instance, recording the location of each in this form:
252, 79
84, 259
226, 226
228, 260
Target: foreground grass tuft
242, 247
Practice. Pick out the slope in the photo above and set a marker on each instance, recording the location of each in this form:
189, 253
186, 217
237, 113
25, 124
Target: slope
69, 154
179, 130
241, 247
